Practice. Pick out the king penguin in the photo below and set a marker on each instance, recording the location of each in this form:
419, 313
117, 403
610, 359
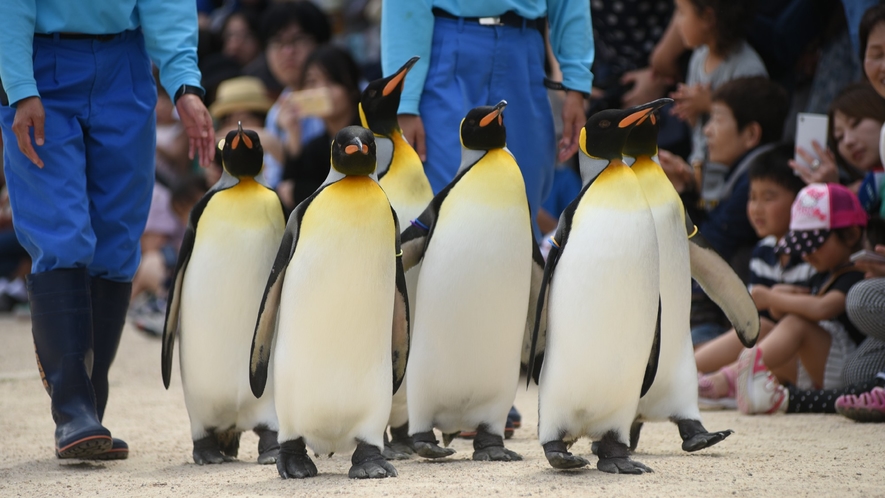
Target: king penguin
674, 394
401, 175
602, 305
228, 249
475, 295
341, 343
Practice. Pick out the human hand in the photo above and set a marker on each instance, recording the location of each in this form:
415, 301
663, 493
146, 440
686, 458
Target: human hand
29, 113
870, 268
823, 165
646, 87
691, 102
413, 132
573, 119
198, 127
677, 170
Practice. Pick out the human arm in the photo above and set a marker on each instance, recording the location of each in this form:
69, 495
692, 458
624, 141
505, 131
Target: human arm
811, 307
665, 56
870, 268
17, 73
170, 33
681, 175
646, 87
692, 101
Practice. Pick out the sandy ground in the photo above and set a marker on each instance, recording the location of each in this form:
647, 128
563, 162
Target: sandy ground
796, 455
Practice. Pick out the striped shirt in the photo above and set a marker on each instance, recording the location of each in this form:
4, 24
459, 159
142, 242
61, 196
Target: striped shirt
766, 269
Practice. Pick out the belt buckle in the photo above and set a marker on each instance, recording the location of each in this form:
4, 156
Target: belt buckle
490, 21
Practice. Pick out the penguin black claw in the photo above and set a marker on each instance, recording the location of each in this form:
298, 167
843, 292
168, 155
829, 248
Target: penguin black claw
490, 447
559, 457
705, 440
206, 451
293, 462
369, 463
432, 450
621, 465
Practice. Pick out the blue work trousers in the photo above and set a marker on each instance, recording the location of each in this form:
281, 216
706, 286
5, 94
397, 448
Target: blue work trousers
87, 207
473, 65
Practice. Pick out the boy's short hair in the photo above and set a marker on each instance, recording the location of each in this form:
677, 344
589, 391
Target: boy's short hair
733, 19
773, 165
756, 99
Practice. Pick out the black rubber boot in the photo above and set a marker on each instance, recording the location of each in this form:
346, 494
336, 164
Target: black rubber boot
110, 302
61, 322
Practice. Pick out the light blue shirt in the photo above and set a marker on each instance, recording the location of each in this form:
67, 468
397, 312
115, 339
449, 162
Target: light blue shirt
407, 30
169, 27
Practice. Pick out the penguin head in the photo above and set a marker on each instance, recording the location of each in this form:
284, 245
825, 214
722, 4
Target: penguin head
483, 127
241, 152
643, 138
379, 102
353, 151
605, 133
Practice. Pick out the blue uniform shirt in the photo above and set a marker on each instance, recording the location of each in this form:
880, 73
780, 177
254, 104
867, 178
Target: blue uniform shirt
169, 28
407, 31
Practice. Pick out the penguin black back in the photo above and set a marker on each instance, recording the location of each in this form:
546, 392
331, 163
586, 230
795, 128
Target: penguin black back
353, 151
483, 128
643, 139
379, 102
241, 152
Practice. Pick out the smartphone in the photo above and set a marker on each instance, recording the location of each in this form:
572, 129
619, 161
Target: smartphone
810, 127
867, 255
313, 102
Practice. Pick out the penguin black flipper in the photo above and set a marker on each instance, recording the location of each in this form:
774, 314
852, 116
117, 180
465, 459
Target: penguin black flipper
533, 312
651, 370
416, 238
173, 300
722, 285
536, 351
401, 338
270, 302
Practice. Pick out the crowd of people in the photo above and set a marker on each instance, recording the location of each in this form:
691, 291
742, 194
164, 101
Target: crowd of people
739, 73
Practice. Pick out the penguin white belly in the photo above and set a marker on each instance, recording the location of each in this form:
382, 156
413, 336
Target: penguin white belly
221, 294
472, 300
333, 343
602, 313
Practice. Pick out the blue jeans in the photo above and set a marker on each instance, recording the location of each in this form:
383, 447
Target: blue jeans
473, 65
87, 207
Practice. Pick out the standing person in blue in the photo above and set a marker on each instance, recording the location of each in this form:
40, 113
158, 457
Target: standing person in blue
78, 126
478, 53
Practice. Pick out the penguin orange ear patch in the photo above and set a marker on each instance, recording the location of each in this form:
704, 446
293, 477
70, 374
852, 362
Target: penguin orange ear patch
351, 149
488, 118
392, 84
235, 142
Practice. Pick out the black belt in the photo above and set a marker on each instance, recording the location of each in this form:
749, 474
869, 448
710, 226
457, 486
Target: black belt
508, 18
77, 36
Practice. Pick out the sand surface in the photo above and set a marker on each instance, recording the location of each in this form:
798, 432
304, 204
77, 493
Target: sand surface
795, 455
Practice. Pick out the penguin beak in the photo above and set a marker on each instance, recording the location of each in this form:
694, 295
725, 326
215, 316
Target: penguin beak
638, 114
397, 80
241, 137
496, 112
356, 146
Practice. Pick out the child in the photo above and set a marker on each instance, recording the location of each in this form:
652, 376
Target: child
826, 227
715, 30
863, 374
773, 188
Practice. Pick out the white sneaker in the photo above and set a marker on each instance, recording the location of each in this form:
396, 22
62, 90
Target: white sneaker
758, 391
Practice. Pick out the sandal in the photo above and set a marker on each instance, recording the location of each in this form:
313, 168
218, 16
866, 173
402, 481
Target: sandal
864, 407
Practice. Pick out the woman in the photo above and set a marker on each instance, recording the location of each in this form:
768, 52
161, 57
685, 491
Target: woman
331, 83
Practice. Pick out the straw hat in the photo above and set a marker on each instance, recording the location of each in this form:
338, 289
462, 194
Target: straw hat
243, 93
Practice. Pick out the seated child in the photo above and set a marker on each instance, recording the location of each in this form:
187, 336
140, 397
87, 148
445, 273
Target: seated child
773, 188
826, 227
864, 371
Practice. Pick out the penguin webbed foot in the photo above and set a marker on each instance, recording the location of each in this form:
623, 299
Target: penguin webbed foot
621, 465
490, 447
369, 463
293, 462
399, 446
695, 437
705, 440
427, 446
559, 457
268, 446
206, 451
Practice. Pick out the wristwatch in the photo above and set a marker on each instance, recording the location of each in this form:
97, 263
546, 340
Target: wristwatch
556, 85
193, 90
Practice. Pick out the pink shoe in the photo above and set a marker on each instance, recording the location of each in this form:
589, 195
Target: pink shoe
865, 407
757, 389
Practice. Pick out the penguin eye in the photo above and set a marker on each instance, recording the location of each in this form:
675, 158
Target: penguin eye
372, 93
471, 122
605, 123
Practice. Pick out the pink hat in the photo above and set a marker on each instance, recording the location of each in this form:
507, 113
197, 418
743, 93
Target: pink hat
819, 208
